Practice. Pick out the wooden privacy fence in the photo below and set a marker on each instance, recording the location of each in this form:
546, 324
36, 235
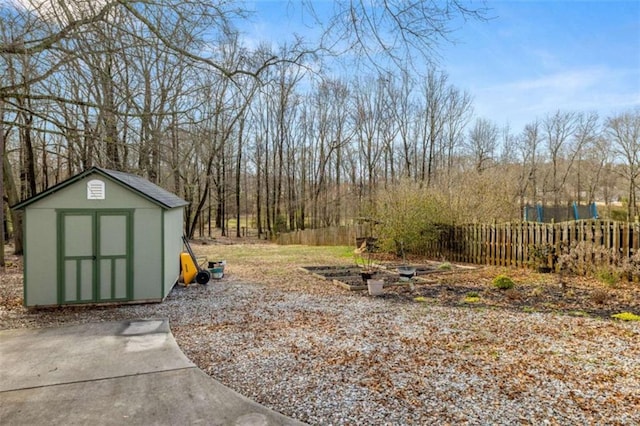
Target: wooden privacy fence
332, 236
506, 244
509, 244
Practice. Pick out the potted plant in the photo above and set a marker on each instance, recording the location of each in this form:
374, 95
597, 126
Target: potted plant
405, 270
363, 259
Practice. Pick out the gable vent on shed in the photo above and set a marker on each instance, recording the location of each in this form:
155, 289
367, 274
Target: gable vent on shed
95, 190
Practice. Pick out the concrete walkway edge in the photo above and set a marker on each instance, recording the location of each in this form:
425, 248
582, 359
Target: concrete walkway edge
113, 373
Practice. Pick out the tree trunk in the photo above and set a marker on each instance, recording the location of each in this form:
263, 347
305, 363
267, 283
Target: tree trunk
28, 172
222, 194
259, 179
267, 188
13, 197
2, 221
238, 172
203, 199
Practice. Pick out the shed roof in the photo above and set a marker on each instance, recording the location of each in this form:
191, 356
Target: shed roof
141, 186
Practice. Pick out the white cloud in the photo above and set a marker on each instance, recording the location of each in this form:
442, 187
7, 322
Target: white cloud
590, 89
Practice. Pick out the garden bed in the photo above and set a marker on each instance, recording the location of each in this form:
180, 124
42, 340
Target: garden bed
349, 277
429, 267
329, 272
356, 283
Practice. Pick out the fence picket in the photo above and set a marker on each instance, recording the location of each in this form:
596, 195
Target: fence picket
625, 239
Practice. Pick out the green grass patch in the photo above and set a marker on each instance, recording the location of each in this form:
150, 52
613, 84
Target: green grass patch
446, 266
276, 256
608, 277
578, 314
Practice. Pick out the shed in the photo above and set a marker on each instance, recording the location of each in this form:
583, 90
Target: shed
101, 236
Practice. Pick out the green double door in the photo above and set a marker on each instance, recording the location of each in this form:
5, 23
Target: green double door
94, 256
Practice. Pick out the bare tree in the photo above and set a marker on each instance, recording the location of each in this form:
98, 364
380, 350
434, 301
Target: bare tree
390, 129
368, 118
433, 114
624, 131
596, 173
585, 136
482, 143
222, 112
528, 145
327, 137
459, 112
400, 33
558, 130
404, 112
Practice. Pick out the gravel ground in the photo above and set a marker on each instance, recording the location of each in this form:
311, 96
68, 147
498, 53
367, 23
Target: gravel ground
326, 356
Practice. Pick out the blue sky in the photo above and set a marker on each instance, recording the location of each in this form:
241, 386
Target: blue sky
531, 59
537, 57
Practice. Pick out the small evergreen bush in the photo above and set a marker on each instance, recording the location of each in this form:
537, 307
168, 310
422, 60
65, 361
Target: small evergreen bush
503, 282
472, 297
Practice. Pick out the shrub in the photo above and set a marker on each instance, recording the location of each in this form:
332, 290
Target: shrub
626, 316
503, 282
408, 216
446, 266
281, 224
471, 297
542, 255
587, 258
619, 214
630, 266
607, 265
